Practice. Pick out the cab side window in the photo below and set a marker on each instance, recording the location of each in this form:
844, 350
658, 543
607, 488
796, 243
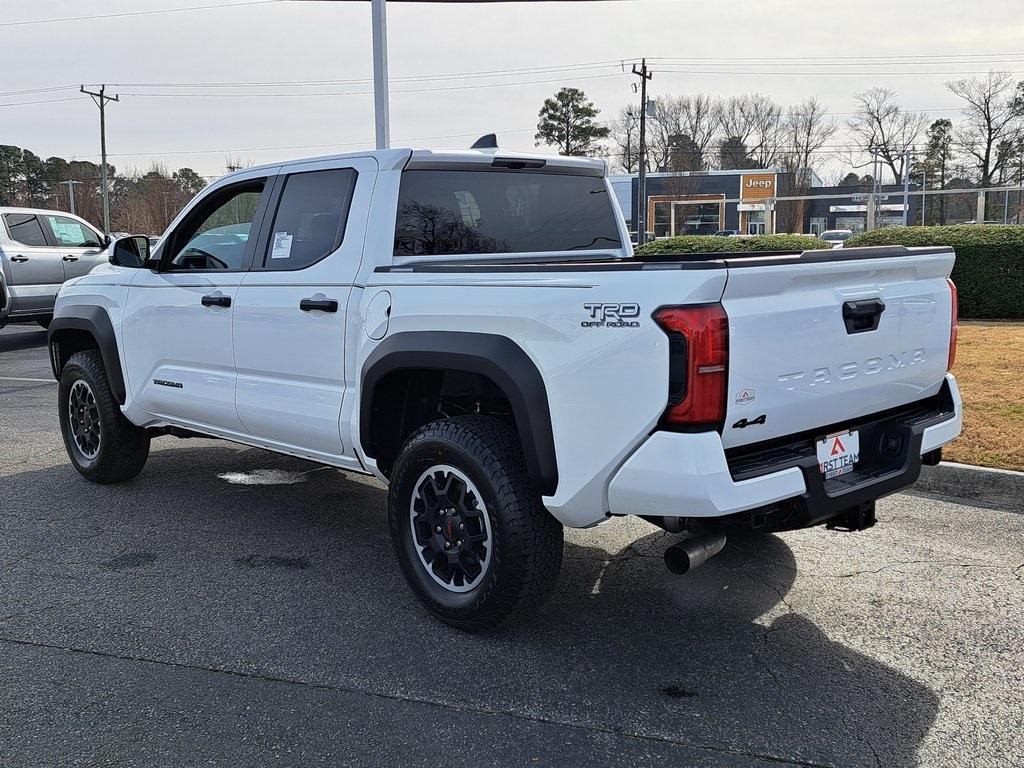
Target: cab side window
69, 233
309, 223
24, 228
215, 236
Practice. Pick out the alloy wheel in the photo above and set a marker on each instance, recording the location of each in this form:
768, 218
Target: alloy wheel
84, 419
451, 528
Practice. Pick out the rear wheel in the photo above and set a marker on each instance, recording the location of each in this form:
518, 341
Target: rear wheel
472, 537
102, 444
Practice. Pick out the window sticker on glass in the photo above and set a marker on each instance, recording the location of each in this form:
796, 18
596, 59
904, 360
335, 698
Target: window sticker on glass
469, 209
68, 232
282, 246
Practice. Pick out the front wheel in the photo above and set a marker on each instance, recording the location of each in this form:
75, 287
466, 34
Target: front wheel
102, 444
472, 537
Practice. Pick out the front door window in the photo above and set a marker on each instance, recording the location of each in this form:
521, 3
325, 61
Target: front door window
216, 236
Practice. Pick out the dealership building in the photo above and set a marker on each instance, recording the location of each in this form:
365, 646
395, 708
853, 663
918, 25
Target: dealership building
745, 201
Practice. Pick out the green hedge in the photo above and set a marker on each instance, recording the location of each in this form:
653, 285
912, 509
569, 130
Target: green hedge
989, 270
717, 244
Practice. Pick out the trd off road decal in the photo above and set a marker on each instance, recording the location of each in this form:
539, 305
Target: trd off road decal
612, 316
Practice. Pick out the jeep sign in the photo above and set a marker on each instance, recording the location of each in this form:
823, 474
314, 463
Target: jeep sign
757, 186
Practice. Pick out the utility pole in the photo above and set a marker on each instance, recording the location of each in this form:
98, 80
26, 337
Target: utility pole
869, 217
641, 179
1020, 182
101, 100
924, 200
906, 187
71, 193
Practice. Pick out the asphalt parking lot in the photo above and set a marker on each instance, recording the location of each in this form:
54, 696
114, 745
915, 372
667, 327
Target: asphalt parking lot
234, 607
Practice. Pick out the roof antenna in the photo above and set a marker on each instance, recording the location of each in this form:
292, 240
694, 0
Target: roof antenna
487, 141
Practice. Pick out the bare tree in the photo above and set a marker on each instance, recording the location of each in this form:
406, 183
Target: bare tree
880, 122
991, 121
700, 119
665, 124
756, 120
625, 136
694, 117
234, 163
807, 130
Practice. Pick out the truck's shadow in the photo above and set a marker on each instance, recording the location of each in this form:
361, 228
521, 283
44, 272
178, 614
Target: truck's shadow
30, 338
298, 581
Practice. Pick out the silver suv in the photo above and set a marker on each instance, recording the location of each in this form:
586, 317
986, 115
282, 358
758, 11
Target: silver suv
39, 250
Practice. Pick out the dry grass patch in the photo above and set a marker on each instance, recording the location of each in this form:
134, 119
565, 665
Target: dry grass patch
990, 370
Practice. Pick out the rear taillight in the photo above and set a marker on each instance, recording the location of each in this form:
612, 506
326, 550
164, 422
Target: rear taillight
954, 310
698, 364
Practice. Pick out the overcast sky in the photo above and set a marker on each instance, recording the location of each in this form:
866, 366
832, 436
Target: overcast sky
726, 49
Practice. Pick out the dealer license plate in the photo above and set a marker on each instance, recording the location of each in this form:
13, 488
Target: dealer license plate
838, 453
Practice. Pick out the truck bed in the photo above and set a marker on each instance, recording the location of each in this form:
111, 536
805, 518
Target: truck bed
567, 262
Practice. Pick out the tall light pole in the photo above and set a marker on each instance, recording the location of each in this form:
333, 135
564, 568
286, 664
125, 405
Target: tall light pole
101, 99
381, 97
71, 194
379, 27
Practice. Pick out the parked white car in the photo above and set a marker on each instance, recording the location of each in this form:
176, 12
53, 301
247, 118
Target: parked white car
39, 250
836, 237
472, 328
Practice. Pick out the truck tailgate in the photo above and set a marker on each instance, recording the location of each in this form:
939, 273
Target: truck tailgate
814, 341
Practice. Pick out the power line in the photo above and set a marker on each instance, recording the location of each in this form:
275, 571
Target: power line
48, 89
818, 73
44, 101
837, 58
474, 87
406, 78
124, 14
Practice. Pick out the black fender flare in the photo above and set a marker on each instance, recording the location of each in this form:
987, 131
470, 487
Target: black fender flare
96, 322
496, 357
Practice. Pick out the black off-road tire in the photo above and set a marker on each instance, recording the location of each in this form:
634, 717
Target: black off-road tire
123, 447
526, 538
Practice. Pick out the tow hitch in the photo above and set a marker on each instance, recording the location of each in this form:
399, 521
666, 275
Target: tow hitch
858, 518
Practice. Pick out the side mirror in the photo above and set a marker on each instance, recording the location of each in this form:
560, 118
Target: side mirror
132, 252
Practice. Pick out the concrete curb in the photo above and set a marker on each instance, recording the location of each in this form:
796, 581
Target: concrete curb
1000, 487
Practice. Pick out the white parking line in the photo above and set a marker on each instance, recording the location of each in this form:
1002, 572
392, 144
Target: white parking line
15, 378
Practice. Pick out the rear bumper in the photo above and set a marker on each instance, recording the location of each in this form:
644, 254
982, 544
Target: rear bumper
691, 475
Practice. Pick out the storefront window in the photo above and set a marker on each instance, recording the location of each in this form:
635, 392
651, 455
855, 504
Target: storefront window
697, 218
755, 222
662, 219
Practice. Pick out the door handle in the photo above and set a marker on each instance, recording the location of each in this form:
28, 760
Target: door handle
70, 258
860, 316
324, 305
19, 257
214, 300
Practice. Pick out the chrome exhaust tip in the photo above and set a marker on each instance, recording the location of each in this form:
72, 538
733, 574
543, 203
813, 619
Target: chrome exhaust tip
683, 556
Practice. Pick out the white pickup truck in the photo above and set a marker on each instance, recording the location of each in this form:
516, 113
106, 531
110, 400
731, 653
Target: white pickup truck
473, 328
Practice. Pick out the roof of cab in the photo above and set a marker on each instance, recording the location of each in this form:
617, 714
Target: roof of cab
448, 159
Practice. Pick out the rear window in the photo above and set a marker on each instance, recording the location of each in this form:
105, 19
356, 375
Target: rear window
24, 228
449, 213
310, 219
